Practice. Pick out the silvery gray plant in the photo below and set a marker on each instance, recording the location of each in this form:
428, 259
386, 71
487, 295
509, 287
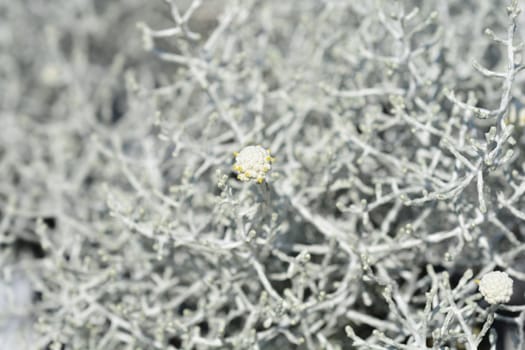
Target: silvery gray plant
227, 174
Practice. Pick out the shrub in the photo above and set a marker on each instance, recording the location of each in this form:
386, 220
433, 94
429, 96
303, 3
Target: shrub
398, 177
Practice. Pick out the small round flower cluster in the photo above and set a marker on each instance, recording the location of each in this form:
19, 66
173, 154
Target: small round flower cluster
252, 163
496, 287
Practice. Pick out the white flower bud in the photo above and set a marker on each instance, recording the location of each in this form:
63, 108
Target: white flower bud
496, 287
252, 163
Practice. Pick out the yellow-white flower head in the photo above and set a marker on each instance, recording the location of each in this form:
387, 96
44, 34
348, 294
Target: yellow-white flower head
496, 287
252, 163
